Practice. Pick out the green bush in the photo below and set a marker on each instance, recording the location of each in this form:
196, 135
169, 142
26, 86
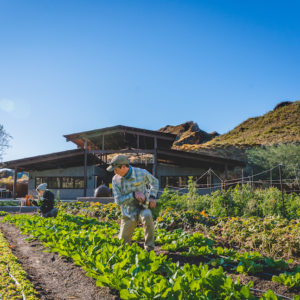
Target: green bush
237, 201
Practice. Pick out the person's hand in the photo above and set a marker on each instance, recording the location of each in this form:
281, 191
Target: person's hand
140, 196
152, 203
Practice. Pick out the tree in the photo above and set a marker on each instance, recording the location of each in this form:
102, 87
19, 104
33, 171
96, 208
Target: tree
4, 140
264, 158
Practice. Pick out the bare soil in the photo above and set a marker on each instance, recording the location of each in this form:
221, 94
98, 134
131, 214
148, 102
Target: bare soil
53, 277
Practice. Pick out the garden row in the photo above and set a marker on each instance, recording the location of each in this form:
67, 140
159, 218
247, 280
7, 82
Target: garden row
272, 236
237, 201
134, 272
269, 238
13, 280
129, 269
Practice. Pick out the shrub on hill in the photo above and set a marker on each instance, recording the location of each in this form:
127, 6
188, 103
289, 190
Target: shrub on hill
263, 158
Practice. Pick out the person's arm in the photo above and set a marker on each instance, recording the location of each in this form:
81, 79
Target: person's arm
34, 202
119, 197
154, 184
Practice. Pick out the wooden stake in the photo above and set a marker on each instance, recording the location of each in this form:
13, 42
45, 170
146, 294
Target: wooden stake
85, 168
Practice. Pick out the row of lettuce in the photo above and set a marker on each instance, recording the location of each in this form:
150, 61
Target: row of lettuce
266, 239
136, 274
272, 236
13, 280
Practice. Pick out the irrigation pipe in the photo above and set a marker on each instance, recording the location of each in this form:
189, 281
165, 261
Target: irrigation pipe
260, 291
16, 282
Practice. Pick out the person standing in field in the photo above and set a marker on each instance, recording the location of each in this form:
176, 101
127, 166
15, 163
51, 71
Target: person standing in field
136, 201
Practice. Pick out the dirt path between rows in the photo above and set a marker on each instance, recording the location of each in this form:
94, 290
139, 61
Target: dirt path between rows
53, 277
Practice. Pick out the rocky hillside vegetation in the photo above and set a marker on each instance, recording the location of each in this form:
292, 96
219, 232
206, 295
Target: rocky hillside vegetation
189, 133
280, 125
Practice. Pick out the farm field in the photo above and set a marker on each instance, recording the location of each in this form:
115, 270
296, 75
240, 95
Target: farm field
197, 256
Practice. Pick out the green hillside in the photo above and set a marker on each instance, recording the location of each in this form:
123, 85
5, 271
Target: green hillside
281, 125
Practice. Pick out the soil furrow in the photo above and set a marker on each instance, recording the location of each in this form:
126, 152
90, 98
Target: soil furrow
54, 277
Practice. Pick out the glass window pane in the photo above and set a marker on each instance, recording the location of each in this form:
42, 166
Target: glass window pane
163, 181
79, 183
38, 181
54, 182
67, 183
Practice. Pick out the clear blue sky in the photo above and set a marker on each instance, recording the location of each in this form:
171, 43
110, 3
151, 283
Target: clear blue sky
70, 66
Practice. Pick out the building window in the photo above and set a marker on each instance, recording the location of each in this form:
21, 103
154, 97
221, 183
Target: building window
61, 182
67, 182
79, 183
181, 181
39, 180
174, 181
54, 182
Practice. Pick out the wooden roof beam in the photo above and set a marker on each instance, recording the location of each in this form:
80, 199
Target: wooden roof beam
151, 151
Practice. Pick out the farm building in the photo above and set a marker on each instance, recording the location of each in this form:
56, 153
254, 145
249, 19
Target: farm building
76, 173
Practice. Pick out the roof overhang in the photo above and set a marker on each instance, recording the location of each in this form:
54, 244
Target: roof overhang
190, 159
121, 137
73, 158
64, 159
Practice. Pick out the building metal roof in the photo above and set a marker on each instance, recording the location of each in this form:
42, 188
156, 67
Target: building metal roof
72, 158
197, 160
121, 137
64, 159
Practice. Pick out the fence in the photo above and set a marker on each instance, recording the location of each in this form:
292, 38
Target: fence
258, 180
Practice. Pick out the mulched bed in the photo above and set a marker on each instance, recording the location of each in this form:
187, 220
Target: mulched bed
53, 277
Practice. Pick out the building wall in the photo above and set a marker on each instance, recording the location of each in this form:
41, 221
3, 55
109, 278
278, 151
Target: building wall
74, 171
92, 171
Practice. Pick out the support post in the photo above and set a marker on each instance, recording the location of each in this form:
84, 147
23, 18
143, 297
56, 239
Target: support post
271, 183
103, 143
209, 176
242, 177
225, 175
85, 168
15, 184
226, 171
282, 196
154, 170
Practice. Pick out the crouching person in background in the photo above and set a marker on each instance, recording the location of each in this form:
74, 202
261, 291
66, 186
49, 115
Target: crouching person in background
45, 201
